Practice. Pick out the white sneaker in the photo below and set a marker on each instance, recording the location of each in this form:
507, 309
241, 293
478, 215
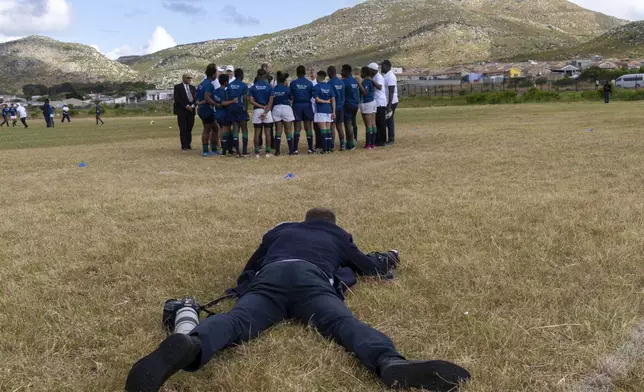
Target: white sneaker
268, 155
256, 156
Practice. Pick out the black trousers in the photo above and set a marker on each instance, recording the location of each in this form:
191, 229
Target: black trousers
381, 126
350, 121
606, 97
391, 124
186, 122
24, 122
66, 117
292, 290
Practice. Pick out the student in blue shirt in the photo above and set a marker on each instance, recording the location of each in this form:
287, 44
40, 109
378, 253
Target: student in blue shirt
46, 110
368, 106
98, 114
12, 115
324, 95
338, 123
5, 115
302, 91
206, 112
261, 97
222, 105
283, 113
351, 102
52, 113
239, 112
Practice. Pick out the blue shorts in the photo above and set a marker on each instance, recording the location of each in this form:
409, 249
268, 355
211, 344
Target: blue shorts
223, 119
350, 112
339, 116
207, 115
303, 112
237, 114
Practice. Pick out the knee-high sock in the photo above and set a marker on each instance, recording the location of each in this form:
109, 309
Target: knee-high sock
235, 143
245, 142
224, 142
289, 139
296, 141
309, 139
276, 145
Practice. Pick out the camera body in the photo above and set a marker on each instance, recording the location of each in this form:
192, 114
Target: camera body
180, 315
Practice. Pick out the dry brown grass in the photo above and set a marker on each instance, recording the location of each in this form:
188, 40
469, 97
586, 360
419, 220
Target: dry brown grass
515, 214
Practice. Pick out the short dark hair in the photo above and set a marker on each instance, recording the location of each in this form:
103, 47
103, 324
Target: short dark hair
211, 70
332, 71
281, 77
223, 79
320, 214
321, 74
347, 69
239, 74
300, 71
262, 74
386, 63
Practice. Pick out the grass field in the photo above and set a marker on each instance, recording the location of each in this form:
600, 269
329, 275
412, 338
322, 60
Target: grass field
521, 233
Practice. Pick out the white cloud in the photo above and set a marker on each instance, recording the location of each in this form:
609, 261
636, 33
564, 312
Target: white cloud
6, 38
95, 47
625, 9
159, 40
23, 17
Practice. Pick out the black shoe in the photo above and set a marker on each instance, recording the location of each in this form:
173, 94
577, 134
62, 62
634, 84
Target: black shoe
390, 143
439, 376
149, 373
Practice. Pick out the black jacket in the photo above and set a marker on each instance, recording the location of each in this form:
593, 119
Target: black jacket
323, 244
181, 98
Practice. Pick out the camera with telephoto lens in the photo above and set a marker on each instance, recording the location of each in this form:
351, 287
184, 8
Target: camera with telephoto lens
181, 315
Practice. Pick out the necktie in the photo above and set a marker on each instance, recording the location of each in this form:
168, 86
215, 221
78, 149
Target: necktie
188, 93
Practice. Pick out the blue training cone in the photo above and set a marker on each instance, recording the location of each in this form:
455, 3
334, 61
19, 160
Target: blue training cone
82, 164
289, 176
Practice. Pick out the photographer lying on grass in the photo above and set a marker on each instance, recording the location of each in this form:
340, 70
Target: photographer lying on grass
298, 272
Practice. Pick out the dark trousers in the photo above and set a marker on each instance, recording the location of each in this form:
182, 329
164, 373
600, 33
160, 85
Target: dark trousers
48, 121
391, 124
351, 121
381, 126
66, 117
186, 122
24, 122
292, 290
606, 97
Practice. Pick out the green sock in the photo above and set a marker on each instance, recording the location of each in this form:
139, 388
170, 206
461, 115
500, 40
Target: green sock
205, 148
213, 147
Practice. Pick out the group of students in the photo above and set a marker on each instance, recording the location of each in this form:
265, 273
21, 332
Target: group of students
326, 105
12, 112
49, 111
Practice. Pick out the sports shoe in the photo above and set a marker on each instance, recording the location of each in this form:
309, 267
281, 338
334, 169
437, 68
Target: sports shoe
439, 376
296, 152
269, 155
390, 143
149, 373
205, 154
256, 156
311, 152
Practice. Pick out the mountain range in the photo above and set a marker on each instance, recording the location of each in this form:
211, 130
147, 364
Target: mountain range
412, 33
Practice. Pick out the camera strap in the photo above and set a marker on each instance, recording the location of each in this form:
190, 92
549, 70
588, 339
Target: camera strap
214, 302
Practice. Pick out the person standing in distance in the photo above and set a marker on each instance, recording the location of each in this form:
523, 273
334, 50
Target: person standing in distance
46, 109
184, 109
98, 114
338, 122
368, 107
283, 113
302, 91
206, 112
351, 104
381, 104
12, 115
22, 112
261, 97
391, 89
324, 95
608, 89
65, 114
239, 113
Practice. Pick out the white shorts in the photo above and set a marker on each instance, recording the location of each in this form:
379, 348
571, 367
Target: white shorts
13, 117
283, 113
257, 119
368, 108
323, 118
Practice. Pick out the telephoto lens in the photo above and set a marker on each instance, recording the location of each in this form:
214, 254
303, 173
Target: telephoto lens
186, 318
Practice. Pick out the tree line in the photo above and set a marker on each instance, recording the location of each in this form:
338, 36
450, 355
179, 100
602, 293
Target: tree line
80, 90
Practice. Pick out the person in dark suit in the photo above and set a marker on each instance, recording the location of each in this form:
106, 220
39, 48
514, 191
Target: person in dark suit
184, 109
296, 273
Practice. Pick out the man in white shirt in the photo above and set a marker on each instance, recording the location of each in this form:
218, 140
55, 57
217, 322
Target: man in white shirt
391, 88
381, 103
66, 114
22, 113
230, 70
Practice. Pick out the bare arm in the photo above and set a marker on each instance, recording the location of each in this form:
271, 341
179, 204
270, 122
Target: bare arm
270, 105
208, 99
375, 84
391, 96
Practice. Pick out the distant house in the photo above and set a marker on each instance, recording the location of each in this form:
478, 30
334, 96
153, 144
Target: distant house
582, 63
513, 72
568, 70
75, 102
636, 64
596, 58
458, 71
608, 65
159, 95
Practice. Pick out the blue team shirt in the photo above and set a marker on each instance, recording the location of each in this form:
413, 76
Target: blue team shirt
368, 85
261, 92
323, 91
220, 96
98, 110
351, 92
204, 87
237, 89
5, 112
12, 111
338, 85
281, 95
302, 91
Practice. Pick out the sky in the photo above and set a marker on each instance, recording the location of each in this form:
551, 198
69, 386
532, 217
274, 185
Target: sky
125, 27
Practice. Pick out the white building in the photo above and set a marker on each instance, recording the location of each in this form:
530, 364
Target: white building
159, 95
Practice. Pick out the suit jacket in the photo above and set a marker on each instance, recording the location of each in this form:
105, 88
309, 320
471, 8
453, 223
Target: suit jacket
181, 98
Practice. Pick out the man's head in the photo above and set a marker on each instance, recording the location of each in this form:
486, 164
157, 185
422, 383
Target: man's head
211, 71
346, 70
320, 214
187, 79
300, 71
223, 80
239, 74
261, 74
332, 72
385, 66
230, 71
282, 77
321, 76
374, 68
265, 67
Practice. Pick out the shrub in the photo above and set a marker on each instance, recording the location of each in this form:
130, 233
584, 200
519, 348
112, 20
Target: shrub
536, 95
